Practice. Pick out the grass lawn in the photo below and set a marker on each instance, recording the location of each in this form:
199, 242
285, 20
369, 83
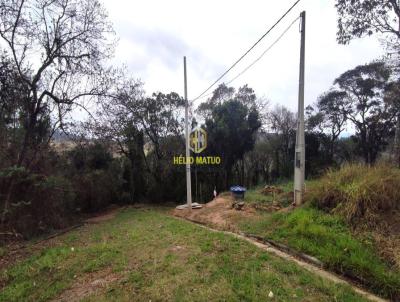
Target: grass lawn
255, 196
152, 256
328, 238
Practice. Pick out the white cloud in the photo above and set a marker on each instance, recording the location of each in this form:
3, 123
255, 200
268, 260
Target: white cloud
155, 35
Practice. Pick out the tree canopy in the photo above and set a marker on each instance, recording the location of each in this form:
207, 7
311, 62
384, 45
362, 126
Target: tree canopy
364, 17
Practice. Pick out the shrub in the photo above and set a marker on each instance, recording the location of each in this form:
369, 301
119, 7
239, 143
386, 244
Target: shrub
358, 192
96, 176
36, 202
96, 190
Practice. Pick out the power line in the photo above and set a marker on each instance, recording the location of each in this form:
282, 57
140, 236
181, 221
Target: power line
250, 49
265, 51
256, 60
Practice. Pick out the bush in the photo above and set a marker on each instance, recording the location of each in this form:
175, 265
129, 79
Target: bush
96, 176
36, 202
358, 192
96, 190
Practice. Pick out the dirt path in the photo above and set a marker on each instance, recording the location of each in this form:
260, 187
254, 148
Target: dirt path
309, 267
87, 285
218, 216
104, 216
218, 213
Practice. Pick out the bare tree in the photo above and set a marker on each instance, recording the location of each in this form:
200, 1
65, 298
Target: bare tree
328, 117
283, 123
58, 47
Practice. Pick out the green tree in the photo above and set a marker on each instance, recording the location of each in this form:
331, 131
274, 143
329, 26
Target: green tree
221, 94
258, 162
231, 133
365, 17
12, 93
363, 89
328, 120
145, 130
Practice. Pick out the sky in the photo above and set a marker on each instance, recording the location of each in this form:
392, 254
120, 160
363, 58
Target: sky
154, 35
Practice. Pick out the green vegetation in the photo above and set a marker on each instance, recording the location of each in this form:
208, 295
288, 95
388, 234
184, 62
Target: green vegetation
156, 257
256, 197
53, 168
329, 239
355, 197
346, 210
358, 192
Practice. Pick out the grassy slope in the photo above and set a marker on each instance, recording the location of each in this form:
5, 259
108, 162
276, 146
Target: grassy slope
328, 238
138, 246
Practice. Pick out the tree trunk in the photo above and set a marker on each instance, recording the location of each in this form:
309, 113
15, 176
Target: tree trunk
364, 146
7, 202
396, 145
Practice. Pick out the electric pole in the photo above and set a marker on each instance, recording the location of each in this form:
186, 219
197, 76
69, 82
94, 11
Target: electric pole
299, 160
188, 178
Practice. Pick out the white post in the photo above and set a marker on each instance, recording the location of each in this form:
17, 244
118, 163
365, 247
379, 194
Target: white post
299, 160
188, 179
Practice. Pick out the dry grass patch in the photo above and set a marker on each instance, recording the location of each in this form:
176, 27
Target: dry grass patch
359, 193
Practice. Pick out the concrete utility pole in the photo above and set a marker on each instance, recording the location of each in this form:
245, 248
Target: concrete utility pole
299, 159
188, 178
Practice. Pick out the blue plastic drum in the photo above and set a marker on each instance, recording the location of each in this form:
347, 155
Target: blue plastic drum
238, 192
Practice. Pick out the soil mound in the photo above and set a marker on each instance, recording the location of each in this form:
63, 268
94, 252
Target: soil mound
218, 213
